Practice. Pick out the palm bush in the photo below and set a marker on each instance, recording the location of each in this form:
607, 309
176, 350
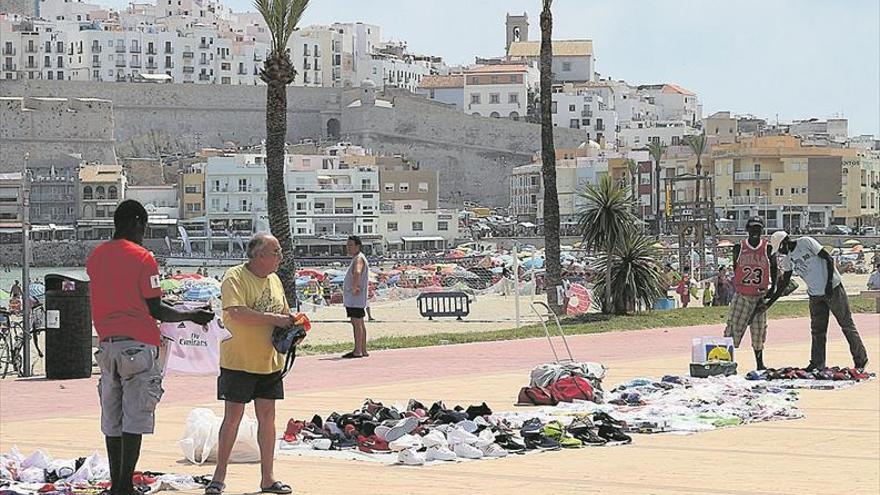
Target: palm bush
636, 276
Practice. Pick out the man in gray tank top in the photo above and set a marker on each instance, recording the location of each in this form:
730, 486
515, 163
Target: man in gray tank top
354, 296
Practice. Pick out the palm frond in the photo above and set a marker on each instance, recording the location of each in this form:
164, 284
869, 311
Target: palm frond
636, 276
606, 214
281, 17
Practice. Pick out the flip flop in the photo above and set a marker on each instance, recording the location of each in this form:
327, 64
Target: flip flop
215, 488
277, 487
351, 355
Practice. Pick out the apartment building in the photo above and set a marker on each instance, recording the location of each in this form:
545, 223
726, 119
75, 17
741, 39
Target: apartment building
101, 188
10, 198
499, 91
418, 230
191, 187
447, 89
584, 108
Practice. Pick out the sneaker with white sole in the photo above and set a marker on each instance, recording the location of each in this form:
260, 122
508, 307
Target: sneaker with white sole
405, 442
493, 450
484, 439
434, 438
321, 444
396, 429
459, 436
467, 425
440, 453
466, 451
410, 457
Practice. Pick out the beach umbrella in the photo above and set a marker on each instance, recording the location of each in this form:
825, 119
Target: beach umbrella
309, 272
37, 290
184, 276
169, 284
851, 242
858, 248
533, 263
4, 295
204, 292
725, 243
338, 279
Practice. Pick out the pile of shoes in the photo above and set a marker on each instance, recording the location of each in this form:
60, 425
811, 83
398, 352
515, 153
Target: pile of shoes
420, 434
790, 373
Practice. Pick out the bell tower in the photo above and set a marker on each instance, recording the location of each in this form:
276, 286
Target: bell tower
517, 29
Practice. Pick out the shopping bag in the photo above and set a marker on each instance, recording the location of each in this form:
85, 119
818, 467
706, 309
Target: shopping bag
199, 442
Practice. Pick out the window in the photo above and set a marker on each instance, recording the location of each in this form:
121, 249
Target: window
585, 122
574, 124
417, 226
300, 206
566, 66
403, 187
243, 205
193, 189
87, 192
242, 185
193, 207
794, 190
803, 190
389, 187
392, 226
407, 207
513, 98
475, 98
99, 192
571, 108
443, 226
494, 98
553, 107
423, 187
366, 229
366, 184
112, 193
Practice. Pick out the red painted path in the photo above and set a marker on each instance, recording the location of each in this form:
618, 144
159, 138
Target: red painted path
40, 398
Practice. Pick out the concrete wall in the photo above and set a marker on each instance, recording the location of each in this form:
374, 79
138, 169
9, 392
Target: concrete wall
64, 253
152, 119
45, 128
474, 155
22, 7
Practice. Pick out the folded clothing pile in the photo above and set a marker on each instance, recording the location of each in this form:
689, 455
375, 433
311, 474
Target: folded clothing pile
824, 374
420, 434
552, 383
40, 473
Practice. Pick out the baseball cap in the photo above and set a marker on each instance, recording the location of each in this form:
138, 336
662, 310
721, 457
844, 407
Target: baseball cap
776, 239
756, 220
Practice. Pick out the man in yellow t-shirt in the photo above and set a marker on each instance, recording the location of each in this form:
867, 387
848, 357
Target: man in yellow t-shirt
250, 368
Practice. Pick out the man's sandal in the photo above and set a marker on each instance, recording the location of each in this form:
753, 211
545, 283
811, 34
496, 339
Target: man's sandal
278, 488
215, 488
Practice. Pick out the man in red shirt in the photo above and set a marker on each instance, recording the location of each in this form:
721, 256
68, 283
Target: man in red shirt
126, 302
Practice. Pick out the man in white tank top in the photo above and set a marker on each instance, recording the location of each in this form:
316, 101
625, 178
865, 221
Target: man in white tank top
354, 296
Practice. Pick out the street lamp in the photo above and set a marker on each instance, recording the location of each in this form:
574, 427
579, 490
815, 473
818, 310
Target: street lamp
25, 267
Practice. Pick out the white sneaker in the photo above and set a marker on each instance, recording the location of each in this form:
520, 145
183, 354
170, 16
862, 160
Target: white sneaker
405, 442
321, 444
493, 450
466, 451
410, 457
484, 439
467, 425
440, 453
457, 436
434, 438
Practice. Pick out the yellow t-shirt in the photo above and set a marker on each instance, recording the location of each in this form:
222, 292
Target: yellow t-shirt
250, 347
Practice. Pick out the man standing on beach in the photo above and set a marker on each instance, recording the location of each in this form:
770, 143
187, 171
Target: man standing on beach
806, 258
254, 304
126, 302
354, 296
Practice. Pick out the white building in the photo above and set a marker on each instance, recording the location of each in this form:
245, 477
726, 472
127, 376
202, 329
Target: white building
418, 230
573, 60
445, 89
583, 108
674, 102
235, 195
498, 91
638, 134
160, 201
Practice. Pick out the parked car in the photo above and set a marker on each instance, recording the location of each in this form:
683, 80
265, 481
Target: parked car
869, 230
838, 230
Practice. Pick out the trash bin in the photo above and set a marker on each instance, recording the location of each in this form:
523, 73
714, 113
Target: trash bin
68, 326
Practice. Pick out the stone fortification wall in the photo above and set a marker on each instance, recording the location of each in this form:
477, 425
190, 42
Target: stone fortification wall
154, 119
474, 155
47, 127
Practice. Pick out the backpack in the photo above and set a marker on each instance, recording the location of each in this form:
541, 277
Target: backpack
537, 396
571, 388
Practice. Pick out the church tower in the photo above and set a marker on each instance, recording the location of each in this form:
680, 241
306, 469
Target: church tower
517, 29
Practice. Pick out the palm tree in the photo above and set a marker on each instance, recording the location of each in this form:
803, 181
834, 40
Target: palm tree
604, 221
636, 276
697, 143
656, 150
282, 17
633, 169
548, 162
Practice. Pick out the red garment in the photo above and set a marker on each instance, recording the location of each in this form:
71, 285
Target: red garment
752, 274
123, 276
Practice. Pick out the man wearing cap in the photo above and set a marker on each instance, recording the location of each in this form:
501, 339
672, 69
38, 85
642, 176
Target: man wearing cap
806, 258
754, 270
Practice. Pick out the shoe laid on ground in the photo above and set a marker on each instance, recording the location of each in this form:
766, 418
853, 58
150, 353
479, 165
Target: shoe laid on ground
466, 451
553, 429
434, 438
413, 404
531, 427
405, 442
388, 414
410, 457
436, 409
346, 443
474, 412
613, 434
493, 450
812, 367
467, 425
569, 442
600, 417
440, 453
294, 427
322, 444
485, 438
584, 430
510, 444
541, 442
372, 444
398, 429
458, 436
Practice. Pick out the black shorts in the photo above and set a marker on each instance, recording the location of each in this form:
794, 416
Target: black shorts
243, 387
355, 312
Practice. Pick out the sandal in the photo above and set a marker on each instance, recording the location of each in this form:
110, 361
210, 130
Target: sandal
351, 355
215, 488
277, 487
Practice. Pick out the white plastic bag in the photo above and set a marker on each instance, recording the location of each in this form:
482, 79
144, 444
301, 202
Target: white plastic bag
32, 475
199, 442
39, 459
95, 468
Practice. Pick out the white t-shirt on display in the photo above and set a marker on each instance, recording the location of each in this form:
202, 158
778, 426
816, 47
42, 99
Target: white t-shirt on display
193, 349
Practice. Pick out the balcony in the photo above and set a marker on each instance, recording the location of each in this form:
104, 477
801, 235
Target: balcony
9, 67
344, 211
204, 46
151, 50
96, 48
204, 77
258, 57
120, 49
31, 65
152, 65
120, 63
136, 64
204, 61
307, 66
9, 50
31, 49
242, 71
169, 49
135, 49
750, 200
188, 70
323, 211
752, 176
96, 63
586, 112
188, 54
169, 66
600, 127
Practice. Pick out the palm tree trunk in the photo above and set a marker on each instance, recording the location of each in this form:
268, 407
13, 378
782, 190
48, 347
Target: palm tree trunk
548, 166
276, 192
657, 194
606, 308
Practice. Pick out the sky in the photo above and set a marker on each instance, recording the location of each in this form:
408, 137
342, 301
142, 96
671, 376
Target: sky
785, 59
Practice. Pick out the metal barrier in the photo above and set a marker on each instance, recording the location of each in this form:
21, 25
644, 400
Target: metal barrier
444, 304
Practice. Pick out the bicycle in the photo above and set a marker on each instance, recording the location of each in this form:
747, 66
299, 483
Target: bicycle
12, 344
